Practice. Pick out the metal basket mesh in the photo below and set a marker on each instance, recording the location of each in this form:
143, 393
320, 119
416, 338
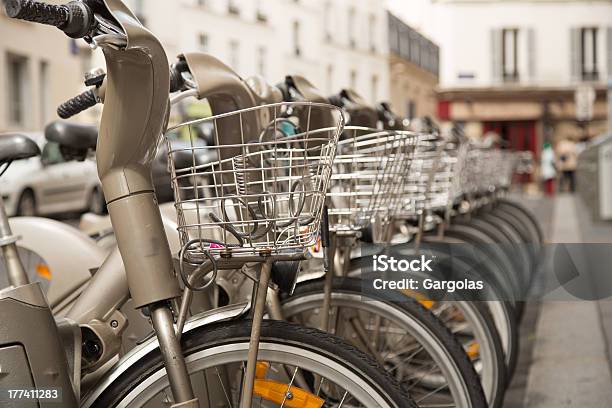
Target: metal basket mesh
260, 186
369, 168
432, 182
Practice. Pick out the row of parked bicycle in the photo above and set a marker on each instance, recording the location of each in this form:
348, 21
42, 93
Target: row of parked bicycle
255, 287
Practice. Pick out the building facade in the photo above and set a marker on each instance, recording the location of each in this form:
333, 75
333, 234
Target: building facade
32, 59
513, 67
413, 70
334, 43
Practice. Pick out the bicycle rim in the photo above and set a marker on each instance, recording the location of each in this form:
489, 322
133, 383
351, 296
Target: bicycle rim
440, 373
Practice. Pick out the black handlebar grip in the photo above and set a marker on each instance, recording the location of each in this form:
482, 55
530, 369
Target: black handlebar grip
74, 18
81, 20
38, 12
77, 104
176, 80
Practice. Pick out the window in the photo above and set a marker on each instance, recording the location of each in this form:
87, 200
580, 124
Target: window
351, 28
201, 3
18, 83
203, 42
353, 77
410, 110
296, 39
372, 32
261, 61
232, 8
510, 54
43, 97
588, 54
260, 15
328, 21
51, 154
330, 79
234, 47
415, 47
374, 90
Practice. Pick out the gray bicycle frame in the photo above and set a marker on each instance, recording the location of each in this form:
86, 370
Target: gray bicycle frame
110, 287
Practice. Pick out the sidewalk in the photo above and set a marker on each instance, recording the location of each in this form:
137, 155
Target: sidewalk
565, 360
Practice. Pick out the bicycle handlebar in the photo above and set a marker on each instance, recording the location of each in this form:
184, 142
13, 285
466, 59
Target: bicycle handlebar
89, 98
77, 104
75, 18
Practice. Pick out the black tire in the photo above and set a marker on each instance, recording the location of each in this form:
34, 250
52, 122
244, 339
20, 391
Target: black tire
469, 234
502, 359
275, 332
538, 235
517, 250
427, 319
97, 203
26, 206
513, 348
532, 230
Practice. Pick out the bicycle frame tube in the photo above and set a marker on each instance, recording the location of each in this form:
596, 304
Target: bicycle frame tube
134, 115
136, 108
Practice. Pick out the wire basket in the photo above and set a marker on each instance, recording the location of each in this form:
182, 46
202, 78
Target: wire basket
487, 170
433, 182
260, 187
368, 170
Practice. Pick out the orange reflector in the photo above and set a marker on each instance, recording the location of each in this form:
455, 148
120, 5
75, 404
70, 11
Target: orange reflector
43, 271
473, 350
427, 304
277, 392
261, 369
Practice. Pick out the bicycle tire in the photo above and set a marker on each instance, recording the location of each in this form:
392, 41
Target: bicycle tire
529, 216
414, 313
234, 335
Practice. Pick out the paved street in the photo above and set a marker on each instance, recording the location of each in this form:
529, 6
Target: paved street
565, 360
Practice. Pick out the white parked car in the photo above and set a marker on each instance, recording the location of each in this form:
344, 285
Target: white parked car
50, 184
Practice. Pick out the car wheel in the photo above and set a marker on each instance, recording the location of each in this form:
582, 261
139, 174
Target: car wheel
27, 204
97, 204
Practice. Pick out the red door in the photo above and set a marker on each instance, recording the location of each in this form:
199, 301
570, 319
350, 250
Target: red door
517, 135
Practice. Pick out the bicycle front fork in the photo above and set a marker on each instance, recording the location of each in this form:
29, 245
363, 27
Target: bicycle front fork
174, 361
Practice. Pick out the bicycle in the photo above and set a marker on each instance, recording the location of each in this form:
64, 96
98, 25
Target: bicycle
135, 106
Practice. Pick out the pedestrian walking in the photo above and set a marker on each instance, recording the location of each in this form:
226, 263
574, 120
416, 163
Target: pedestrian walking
547, 169
566, 162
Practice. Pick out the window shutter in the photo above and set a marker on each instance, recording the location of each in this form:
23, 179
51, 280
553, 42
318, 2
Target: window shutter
609, 50
531, 54
575, 50
496, 50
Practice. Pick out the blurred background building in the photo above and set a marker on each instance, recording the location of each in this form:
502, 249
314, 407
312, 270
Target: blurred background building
334, 43
414, 64
39, 69
511, 67
514, 67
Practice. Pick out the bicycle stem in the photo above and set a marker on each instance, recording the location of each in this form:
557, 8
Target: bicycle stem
133, 118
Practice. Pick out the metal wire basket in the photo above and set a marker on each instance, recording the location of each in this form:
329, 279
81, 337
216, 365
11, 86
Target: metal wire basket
260, 186
487, 170
433, 181
369, 168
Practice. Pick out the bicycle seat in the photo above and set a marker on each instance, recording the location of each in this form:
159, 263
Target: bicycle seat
14, 146
72, 135
360, 112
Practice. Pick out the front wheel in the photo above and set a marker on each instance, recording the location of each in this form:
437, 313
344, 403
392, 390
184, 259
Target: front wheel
294, 362
407, 339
